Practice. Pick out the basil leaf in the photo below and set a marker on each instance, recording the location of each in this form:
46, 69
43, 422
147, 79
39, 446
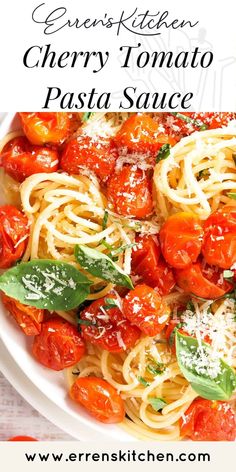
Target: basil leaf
228, 274
156, 368
110, 303
157, 403
101, 266
232, 195
53, 285
210, 378
163, 152
86, 116
202, 126
143, 382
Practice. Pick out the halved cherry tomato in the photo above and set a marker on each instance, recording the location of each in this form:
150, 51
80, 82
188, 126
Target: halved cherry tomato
20, 159
219, 243
140, 133
206, 282
46, 127
130, 192
98, 155
28, 318
100, 399
181, 239
22, 438
145, 309
59, 345
108, 328
14, 231
180, 126
207, 420
148, 263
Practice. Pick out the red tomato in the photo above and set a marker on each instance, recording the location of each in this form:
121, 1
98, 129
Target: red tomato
207, 420
130, 192
22, 438
28, 318
140, 133
14, 231
181, 239
219, 244
170, 333
108, 329
197, 121
148, 263
205, 282
59, 345
100, 399
98, 155
145, 309
46, 127
20, 159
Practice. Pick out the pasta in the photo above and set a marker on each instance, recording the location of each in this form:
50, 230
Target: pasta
67, 209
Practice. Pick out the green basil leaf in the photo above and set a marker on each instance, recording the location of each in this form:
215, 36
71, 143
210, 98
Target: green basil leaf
101, 266
228, 274
110, 303
163, 152
232, 195
143, 382
157, 403
53, 285
211, 378
86, 116
202, 126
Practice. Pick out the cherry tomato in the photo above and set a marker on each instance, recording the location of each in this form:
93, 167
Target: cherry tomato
219, 244
207, 420
130, 192
150, 266
181, 239
181, 126
20, 159
22, 438
46, 127
59, 345
205, 282
98, 155
108, 328
28, 318
100, 399
145, 309
140, 133
14, 231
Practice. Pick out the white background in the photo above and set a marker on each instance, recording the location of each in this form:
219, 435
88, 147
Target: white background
25, 89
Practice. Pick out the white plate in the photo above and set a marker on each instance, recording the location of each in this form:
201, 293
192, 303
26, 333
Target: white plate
48, 386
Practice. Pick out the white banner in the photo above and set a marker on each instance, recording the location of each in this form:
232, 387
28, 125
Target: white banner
125, 55
179, 457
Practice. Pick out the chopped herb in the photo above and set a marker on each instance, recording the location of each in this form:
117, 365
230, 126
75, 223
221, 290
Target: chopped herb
159, 369
190, 306
143, 382
157, 403
104, 221
202, 126
232, 195
85, 322
86, 116
173, 333
110, 303
163, 152
122, 248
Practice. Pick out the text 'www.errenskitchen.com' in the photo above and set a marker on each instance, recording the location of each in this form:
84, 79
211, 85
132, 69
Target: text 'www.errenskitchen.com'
130, 455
